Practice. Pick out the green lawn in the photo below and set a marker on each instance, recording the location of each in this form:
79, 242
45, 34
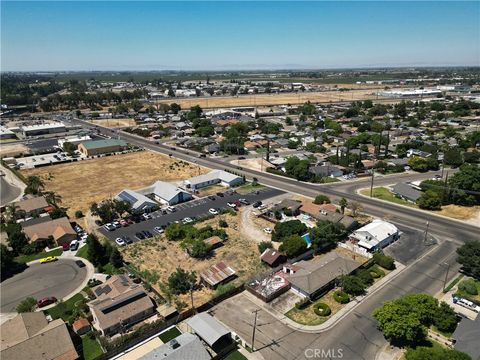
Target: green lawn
383, 193
248, 188
170, 334
91, 348
83, 252
235, 355
64, 309
27, 258
466, 295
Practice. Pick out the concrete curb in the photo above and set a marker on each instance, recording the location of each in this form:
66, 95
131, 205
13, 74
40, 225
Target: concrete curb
411, 208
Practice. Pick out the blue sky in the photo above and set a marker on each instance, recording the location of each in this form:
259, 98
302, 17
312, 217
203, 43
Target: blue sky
232, 35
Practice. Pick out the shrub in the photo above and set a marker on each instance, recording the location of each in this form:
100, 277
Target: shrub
384, 261
78, 214
341, 297
365, 276
322, 309
376, 272
264, 245
26, 305
302, 304
320, 199
222, 223
468, 286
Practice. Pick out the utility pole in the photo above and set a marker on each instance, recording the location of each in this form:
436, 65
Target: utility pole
191, 297
254, 328
426, 233
446, 276
371, 184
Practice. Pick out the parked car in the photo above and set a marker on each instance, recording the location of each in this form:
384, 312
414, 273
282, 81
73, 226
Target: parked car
244, 201
48, 259
213, 211
127, 239
268, 230
130, 221
66, 246
84, 237
261, 207
46, 301
117, 224
123, 222
237, 203
139, 236
187, 220
211, 197
256, 204
158, 229
74, 245
147, 216
109, 227
202, 156
232, 205
80, 263
220, 194
171, 209
120, 242
147, 234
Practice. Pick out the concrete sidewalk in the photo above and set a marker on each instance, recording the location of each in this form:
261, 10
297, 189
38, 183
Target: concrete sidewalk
334, 319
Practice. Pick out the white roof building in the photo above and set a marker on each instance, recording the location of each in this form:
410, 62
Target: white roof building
213, 177
139, 201
166, 193
375, 235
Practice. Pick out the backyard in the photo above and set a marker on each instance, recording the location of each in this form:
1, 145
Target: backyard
84, 182
157, 258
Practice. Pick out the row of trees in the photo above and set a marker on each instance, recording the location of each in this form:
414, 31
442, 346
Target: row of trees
111, 209
100, 254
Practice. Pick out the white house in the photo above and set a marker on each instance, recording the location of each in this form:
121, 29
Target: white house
376, 235
213, 177
166, 193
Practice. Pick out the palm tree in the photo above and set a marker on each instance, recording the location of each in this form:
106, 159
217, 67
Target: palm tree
343, 204
53, 198
11, 212
34, 185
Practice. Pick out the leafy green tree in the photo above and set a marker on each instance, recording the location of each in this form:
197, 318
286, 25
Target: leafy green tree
417, 163
284, 229
116, 258
176, 232
352, 285
453, 156
27, 305
200, 249
326, 235
95, 250
58, 213
17, 239
293, 245
430, 200
53, 198
469, 258
181, 281
69, 148
264, 245
321, 199
175, 108
466, 185
6, 260
445, 318
387, 262
436, 353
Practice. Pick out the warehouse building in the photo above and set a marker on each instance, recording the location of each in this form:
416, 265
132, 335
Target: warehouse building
43, 129
98, 147
213, 177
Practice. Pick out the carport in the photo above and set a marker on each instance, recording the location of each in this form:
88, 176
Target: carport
211, 331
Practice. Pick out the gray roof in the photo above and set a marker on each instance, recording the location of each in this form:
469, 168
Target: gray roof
138, 201
213, 175
406, 191
99, 144
314, 275
163, 190
208, 328
467, 335
190, 347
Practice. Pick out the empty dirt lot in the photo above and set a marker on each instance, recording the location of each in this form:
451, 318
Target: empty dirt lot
275, 99
114, 123
84, 182
161, 256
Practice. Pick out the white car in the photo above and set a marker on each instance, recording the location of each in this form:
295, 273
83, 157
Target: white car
232, 205
117, 224
187, 220
120, 242
213, 211
158, 229
268, 230
171, 209
109, 227
261, 207
147, 216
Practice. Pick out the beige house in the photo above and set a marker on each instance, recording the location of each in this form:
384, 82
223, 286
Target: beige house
29, 336
120, 303
59, 229
32, 205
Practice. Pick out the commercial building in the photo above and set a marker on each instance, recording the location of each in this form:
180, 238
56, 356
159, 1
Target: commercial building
98, 147
166, 193
42, 129
139, 202
213, 177
75, 140
376, 235
29, 336
120, 303
6, 133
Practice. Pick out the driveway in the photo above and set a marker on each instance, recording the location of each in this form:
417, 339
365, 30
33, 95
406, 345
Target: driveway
58, 279
194, 208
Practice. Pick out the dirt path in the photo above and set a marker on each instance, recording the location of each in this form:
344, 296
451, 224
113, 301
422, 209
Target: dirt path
249, 229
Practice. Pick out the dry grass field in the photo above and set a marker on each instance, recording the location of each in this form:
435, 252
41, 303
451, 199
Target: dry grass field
274, 99
114, 123
84, 182
7, 149
162, 257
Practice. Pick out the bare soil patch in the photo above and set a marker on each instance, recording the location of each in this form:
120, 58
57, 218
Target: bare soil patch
114, 123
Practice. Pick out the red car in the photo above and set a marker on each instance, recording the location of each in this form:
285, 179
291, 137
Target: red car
123, 222
46, 301
66, 246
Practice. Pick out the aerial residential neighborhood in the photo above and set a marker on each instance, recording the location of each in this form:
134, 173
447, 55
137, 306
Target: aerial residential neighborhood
295, 181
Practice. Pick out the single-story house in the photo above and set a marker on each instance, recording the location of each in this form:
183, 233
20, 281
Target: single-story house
139, 202
287, 204
324, 212
312, 278
326, 170
119, 304
217, 274
98, 147
184, 346
376, 235
32, 205
406, 192
273, 257
59, 229
210, 330
29, 336
81, 326
466, 337
419, 153
213, 177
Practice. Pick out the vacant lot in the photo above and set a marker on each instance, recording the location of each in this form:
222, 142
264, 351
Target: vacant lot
162, 257
276, 99
84, 182
114, 123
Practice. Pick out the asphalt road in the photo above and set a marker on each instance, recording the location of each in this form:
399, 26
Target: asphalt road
57, 279
194, 208
8, 192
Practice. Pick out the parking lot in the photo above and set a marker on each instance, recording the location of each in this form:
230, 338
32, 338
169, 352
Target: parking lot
192, 209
